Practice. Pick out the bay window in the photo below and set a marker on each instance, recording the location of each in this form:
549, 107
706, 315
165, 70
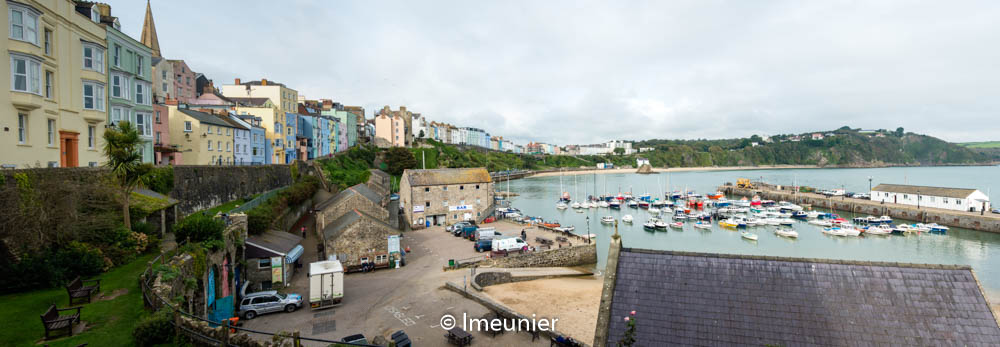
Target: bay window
93, 57
23, 23
93, 96
25, 74
140, 123
117, 114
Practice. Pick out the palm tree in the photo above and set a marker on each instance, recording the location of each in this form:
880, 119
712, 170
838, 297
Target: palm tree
122, 147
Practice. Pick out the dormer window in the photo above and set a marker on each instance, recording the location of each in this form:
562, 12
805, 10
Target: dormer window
95, 14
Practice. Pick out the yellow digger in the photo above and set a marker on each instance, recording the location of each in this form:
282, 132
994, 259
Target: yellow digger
744, 183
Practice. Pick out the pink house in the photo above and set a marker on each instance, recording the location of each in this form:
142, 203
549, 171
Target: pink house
184, 82
342, 137
165, 154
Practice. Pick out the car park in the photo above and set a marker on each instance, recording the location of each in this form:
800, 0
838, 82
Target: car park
255, 304
458, 226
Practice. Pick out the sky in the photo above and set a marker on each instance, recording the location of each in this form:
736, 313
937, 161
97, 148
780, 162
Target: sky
579, 72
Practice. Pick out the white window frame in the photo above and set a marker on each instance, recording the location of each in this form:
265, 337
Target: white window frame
227, 147
218, 145
139, 61
187, 126
32, 74
140, 95
50, 87
116, 55
22, 128
96, 59
140, 124
121, 114
91, 136
98, 89
94, 14
51, 128
149, 123
29, 22
210, 145
120, 81
47, 37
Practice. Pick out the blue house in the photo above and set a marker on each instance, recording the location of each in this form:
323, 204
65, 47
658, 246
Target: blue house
259, 150
291, 150
323, 136
308, 131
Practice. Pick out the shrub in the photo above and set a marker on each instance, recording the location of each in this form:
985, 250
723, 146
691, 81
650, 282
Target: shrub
259, 218
155, 329
144, 228
161, 180
198, 228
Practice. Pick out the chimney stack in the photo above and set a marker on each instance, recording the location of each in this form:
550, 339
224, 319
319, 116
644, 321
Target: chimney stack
237, 81
169, 101
263, 81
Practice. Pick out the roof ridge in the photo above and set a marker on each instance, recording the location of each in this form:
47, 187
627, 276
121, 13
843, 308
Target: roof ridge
799, 260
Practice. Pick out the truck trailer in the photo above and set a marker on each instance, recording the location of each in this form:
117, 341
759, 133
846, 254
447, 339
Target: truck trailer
326, 284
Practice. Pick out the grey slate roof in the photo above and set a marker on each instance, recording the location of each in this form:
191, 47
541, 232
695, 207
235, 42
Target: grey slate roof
278, 241
960, 193
359, 189
251, 102
713, 299
433, 177
337, 227
208, 118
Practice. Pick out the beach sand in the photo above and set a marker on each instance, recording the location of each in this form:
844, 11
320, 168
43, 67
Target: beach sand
574, 301
675, 169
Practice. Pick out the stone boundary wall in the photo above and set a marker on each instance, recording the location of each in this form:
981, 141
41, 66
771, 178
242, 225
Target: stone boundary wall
558, 257
492, 278
968, 220
498, 307
200, 187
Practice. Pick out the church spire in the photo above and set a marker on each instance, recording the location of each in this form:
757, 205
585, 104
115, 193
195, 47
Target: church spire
149, 32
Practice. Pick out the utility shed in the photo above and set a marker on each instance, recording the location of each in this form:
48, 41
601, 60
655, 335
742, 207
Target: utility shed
959, 199
685, 298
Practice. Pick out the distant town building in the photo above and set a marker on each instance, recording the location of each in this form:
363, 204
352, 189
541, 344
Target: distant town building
959, 199
640, 161
390, 128
817, 136
445, 196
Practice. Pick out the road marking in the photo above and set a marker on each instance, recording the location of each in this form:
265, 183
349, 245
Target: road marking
450, 308
435, 326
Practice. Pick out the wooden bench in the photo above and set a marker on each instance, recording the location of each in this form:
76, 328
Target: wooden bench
52, 320
82, 289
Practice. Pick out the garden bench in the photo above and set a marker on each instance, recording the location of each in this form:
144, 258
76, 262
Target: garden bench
82, 289
52, 320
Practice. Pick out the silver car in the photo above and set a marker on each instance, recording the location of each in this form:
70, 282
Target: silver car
255, 304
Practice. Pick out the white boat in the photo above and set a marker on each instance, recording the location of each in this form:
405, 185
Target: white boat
920, 227
883, 230
749, 236
703, 225
786, 221
627, 218
607, 220
820, 222
786, 233
593, 204
680, 216
935, 227
654, 210
649, 224
561, 205
677, 225
849, 230
568, 229
834, 231
812, 214
751, 221
660, 224
633, 204
772, 221
575, 205
603, 204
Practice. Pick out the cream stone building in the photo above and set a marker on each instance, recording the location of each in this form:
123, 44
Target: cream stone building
56, 107
204, 138
273, 122
445, 196
286, 99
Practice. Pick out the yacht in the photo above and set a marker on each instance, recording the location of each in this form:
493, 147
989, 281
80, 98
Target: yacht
660, 224
650, 224
749, 236
561, 205
786, 232
703, 225
627, 218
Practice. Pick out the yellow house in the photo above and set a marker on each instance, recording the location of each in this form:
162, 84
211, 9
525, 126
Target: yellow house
273, 122
203, 138
284, 98
56, 108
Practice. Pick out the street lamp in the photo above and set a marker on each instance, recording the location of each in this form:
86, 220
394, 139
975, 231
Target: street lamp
869, 184
918, 199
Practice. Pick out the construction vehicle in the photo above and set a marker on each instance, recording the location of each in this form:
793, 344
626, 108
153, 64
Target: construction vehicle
744, 183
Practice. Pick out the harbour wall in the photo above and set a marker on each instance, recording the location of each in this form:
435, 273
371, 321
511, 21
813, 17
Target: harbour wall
960, 219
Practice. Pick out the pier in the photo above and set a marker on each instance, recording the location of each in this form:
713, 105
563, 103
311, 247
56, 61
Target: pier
968, 220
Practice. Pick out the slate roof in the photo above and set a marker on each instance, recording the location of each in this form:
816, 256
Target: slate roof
714, 299
359, 189
259, 83
337, 227
435, 177
960, 193
208, 118
279, 241
252, 102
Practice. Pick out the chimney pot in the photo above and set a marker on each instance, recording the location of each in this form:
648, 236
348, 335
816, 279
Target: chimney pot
237, 81
263, 81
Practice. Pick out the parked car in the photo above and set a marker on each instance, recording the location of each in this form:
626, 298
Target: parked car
356, 338
996, 210
255, 304
483, 245
458, 226
864, 196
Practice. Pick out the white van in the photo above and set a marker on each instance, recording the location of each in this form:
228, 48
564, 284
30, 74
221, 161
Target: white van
509, 244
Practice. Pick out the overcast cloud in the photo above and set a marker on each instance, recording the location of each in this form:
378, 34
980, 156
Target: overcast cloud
585, 72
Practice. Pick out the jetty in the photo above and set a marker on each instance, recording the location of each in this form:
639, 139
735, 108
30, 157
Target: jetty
968, 220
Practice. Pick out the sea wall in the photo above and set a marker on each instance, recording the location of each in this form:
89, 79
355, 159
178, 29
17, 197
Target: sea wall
201, 187
967, 220
558, 257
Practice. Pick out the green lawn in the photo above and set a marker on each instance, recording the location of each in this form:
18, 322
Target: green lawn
109, 323
229, 206
988, 144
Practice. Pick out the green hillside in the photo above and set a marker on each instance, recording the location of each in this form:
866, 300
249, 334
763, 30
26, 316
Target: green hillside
986, 144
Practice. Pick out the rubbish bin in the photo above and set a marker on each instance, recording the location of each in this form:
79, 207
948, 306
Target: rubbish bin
451, 262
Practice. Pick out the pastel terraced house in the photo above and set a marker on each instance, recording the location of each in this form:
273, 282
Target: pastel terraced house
271, 120
205, 138
56, 109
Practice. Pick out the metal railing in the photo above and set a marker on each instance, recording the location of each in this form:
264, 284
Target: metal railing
247, 206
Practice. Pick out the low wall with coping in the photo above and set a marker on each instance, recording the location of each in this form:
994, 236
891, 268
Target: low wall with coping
502, 309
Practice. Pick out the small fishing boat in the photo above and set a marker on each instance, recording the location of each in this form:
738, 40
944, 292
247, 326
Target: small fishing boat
813, 214
649, 225
627, 218
786, 232
607, 220
615, 204
718, 195
833, 231
884, 230
749, 236
885, 220
920, 227
772, 221
820, 222
633, 204
643, 204
934, 227
568, 229
849, 230
786, 221
703, 225
730, 223
654, 210
677, 225
660, 224
680, 216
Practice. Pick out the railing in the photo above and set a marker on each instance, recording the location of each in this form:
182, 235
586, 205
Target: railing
150, 298
247, 206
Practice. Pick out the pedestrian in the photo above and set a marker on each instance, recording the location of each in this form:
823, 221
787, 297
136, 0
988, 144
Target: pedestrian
303, 232
524, 235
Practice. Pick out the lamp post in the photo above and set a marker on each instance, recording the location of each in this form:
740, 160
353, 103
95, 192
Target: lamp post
918, 199
869, 184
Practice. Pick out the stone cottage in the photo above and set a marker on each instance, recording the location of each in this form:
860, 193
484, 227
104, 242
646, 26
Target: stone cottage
380, 182
358, 197
445, 196
357, 238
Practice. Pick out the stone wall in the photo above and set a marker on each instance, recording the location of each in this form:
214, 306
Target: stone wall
564, 257
329, 212
365, 238
379, 182
968, 220
202, 187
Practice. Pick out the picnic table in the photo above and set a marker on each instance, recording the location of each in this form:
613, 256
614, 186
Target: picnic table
458, 337
489, 317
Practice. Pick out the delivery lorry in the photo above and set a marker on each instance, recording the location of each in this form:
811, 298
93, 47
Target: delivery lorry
326, 284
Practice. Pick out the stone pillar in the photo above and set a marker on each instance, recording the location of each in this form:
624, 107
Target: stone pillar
610, 274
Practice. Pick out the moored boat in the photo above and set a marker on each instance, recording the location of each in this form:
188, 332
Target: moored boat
703, 225
791, 233
677, 225
607, 220
627, 218
749, 236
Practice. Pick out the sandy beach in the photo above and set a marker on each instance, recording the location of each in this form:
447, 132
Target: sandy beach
574, 301
676, 169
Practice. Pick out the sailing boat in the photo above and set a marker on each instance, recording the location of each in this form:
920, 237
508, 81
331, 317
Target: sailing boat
562, 203
604, 202
576, 192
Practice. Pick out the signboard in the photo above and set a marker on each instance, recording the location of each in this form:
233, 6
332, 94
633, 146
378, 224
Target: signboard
276, 275
460, 208
393, 244
418, 208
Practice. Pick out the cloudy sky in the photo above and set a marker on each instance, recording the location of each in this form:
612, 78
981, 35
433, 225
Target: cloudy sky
584, 72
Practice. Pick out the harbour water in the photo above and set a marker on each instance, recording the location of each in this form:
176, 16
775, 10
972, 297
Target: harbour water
537, 196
